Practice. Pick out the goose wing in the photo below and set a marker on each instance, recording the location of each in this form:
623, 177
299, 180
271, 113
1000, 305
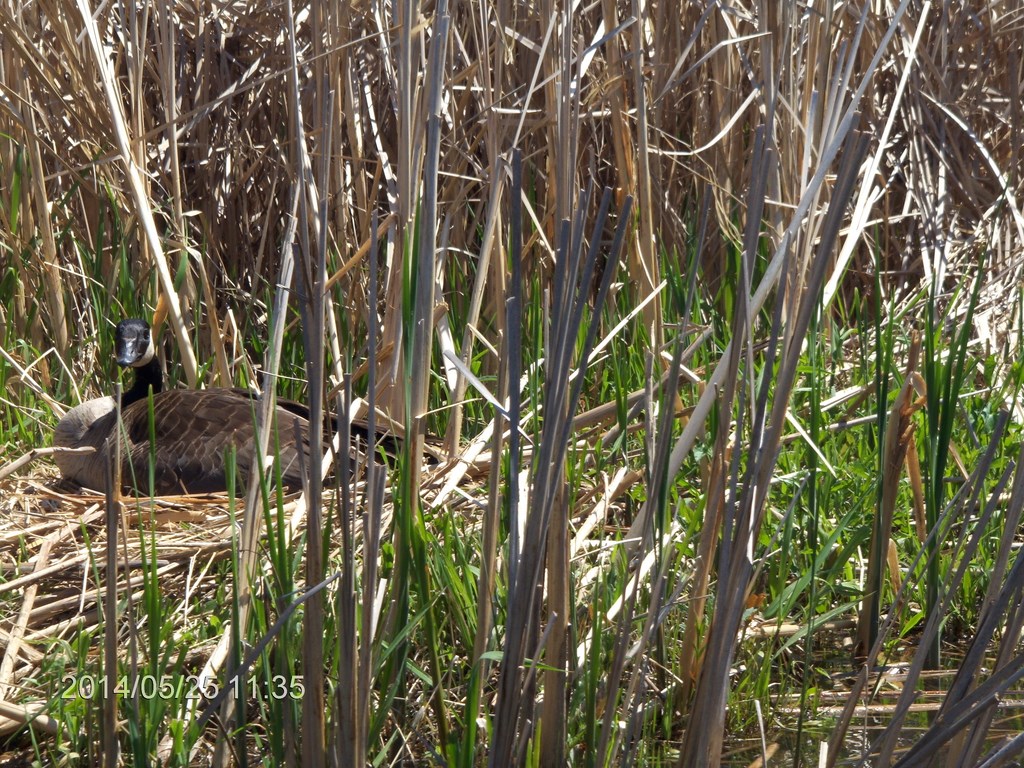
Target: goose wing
192, 431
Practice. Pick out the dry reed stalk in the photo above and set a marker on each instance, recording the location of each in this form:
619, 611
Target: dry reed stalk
899, 440
24, 373
1000, 591
140, 197
15, 716
697, 75
704, 739
252, 518
114, 515
13, 639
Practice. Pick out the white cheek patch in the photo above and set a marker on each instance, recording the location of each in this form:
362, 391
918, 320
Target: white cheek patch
148, 356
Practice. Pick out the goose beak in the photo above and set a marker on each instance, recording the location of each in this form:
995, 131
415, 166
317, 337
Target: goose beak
127, 352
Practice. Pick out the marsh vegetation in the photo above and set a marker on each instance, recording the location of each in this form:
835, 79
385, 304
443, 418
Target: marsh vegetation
699, 325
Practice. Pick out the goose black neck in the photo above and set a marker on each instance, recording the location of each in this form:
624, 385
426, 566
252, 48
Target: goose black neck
148, 376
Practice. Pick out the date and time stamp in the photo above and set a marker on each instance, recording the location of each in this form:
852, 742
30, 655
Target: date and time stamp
178, 687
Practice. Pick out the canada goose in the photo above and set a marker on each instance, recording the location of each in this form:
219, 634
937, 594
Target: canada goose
192, 429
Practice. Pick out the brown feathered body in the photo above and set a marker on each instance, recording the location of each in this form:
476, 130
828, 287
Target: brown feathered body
186, 442
184, 437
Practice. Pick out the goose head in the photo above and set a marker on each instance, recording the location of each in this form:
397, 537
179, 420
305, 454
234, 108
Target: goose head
133, 343
134, 348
